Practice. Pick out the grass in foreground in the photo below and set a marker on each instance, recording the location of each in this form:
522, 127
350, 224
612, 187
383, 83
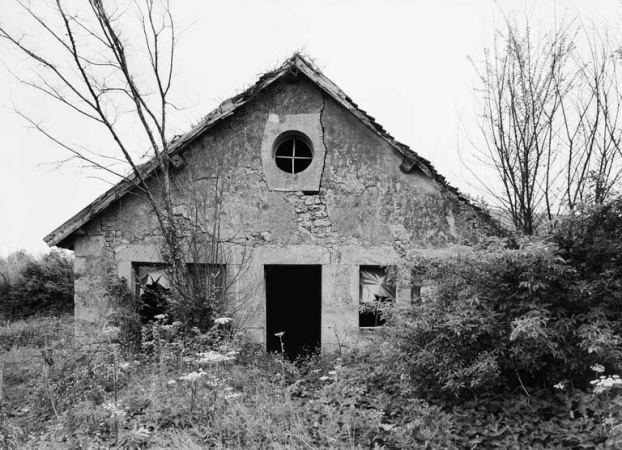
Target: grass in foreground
194, 394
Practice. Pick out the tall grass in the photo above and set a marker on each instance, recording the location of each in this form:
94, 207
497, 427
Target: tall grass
37, 332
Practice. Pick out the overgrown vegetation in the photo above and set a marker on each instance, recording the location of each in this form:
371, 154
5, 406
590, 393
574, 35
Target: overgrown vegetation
32, 285
509, 347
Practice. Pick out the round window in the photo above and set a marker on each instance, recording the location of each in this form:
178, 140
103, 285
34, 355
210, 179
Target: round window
293, 153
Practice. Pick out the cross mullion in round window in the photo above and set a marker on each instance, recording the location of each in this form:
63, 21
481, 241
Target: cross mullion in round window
293, 153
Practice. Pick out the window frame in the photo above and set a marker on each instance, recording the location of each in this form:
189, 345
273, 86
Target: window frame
294, 136
382, 288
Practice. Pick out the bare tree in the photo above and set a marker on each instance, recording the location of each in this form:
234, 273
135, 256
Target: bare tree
550, 121
590, 126
109, 61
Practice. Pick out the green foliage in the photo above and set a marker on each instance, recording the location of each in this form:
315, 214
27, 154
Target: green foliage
36, 286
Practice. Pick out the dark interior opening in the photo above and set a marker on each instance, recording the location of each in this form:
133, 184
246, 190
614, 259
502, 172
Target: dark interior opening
293, 307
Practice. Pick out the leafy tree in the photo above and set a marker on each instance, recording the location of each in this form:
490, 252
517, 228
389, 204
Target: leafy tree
39, 286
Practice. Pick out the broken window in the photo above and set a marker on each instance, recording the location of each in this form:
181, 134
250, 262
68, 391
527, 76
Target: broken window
152, 286
206, 282
376, 293
293, 153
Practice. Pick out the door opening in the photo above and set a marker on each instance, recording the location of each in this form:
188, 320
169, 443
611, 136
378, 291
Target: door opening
293, 307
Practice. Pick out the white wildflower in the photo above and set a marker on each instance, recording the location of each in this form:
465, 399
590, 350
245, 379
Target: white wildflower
160, 317
193, 376
232, 395
213, 357
597, 368
171, 382
560, 385
279, 334
223, 320
114, 409
332, 372
324, 378
603, 383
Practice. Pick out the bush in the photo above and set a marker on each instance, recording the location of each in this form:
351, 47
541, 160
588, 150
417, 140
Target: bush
516, 319
32, 286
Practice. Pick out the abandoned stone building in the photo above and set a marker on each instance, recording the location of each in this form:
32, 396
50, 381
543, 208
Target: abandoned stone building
315, 200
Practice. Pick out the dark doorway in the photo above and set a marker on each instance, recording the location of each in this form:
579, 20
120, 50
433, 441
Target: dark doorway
293, 306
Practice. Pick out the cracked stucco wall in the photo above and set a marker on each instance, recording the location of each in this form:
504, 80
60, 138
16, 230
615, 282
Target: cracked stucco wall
366, 211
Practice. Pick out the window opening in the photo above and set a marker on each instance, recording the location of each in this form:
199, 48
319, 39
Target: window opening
153, 285
151, 289
376, 294
416, 283
293, 154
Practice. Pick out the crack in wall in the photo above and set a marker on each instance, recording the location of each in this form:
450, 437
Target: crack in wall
323, 135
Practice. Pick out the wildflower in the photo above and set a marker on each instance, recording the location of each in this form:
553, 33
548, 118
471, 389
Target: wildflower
232, 395
160, 317
560, 385
597, 368
193, 376
213, 357
171, 382
332, 372
316, 370
279, 334
324, 378
223, 320
114, 409
603, 383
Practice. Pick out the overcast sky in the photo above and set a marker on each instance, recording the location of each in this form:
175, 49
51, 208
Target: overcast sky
404, 62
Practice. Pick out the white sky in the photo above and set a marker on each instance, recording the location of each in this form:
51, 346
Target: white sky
404, 62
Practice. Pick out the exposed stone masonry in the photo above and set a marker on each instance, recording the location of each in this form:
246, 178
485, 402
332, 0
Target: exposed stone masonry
312, 215
109, 227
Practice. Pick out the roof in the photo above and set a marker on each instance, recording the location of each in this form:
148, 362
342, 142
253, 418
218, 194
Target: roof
294, 65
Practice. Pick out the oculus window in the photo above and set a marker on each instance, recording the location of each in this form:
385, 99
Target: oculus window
376, 294
293, 152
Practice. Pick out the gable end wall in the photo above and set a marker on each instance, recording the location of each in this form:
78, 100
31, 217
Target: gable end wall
365, 212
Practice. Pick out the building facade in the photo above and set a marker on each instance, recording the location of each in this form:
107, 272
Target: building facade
310, 199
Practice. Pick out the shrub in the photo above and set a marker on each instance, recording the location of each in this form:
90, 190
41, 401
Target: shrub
519, 318
36, 286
